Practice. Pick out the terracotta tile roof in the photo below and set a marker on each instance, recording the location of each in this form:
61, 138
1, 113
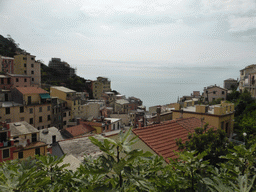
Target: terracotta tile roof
30, 90
161, 138
80, 129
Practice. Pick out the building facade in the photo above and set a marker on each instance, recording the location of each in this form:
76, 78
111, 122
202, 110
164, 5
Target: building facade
25, 64
6, 64
230, 84
62, 67
212, 93
101, 85
220, 116
247, 80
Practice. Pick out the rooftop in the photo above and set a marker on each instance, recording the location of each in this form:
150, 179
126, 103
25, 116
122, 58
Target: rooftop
21, 128
31, 90
80, 129
113, 120
79, 147
3, 57
47, 133
122, 101
63, 89
161, 138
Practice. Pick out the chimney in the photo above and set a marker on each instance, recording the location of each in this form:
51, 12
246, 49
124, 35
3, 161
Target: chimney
78, 121
181, 113
158, 111
53, 139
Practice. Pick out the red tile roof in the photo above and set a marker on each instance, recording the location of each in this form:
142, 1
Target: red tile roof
161, 138
80, 129
30, 90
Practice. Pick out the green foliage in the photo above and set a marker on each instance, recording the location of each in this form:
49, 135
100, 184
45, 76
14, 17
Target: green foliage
213, 142
8, 47
122, 168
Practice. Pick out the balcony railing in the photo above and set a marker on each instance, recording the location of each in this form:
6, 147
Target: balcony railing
6, 144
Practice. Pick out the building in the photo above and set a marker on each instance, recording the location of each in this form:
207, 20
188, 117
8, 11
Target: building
35, 106
247, 80
10, 81
212, 93
26, 141
50, 136
81, 129
230, 84
25, 64
101, 85
115, 123
220, 116
122, 106
70, 96
160, 139
78, 147
6, 144
6, 64
61, 114
64, 69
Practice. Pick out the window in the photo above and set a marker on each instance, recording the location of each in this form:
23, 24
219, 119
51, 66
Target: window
25, 80
17, 79
32, 65
48, 108
25, 72
30, 110
24, 58
40, 119
29, 100
6, 153
114, 126
31, 121
2, 81
69, 113
223, 92
32, 72
65, 122
8, 120
32, 79
8, 81
25, 65
49, 117
21, 155
222, 125
74, 102
214, 92
40, 109
37, 151
7, 110
64, 114
22, 109
34, 137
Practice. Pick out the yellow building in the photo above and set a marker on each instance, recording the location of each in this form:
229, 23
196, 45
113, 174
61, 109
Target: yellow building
101, 85
26, 140
26, 64
30, 104
220, 116
70, 96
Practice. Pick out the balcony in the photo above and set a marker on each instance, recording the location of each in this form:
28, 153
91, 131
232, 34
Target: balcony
6, 144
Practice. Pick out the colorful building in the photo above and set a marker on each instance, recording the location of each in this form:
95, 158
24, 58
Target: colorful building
6, 64
25, 64
220, 116
101, 85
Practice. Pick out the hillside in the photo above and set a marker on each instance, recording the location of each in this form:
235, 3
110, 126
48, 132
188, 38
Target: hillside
8, 47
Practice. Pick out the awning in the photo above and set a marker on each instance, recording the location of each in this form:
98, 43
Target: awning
45, 96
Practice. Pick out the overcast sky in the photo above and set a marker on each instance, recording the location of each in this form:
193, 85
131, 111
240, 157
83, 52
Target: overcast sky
192, 32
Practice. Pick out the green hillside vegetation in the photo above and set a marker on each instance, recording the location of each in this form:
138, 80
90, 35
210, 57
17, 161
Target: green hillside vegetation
124, 169
51, 76
8, 47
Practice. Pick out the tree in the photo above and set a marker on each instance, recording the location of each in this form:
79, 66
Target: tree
214, 142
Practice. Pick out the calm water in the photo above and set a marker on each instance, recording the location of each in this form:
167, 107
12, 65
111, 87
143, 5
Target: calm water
157, 83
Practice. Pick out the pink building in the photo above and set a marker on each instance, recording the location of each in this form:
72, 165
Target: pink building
6, 64
9, 81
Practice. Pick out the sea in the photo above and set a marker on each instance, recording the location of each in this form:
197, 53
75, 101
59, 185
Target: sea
158, 83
